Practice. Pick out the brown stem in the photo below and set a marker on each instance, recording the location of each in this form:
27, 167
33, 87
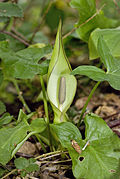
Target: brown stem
69, 33
19, 34
15, 36
114, 123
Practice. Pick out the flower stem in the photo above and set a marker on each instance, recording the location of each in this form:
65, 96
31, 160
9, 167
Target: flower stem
20, 95
85, 106
44, 98
46, 108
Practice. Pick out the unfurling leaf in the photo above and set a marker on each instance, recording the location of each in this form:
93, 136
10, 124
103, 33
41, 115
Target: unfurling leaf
61, 86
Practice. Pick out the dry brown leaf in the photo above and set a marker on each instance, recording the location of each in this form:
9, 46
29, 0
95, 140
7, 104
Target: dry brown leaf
27, 148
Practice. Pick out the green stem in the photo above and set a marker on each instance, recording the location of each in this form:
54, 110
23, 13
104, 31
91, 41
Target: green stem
85, 106
42, 145
20, 96
8, 174
46, 108
44, 98
21, 143
50, 153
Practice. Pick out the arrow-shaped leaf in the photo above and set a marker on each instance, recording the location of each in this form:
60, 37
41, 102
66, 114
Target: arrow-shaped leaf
112, 65
100, 151
111, 37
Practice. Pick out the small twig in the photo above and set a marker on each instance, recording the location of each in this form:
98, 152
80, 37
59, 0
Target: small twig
8, 174
42, 20
15, 36
24, 155
19, 34
118, 8
51, 156
20, 96
56, 162
110, 116
50, 153
69, 33
6, 25
114, 123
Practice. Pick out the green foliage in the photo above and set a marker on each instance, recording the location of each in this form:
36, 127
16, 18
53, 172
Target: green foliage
111, 37
54, 13
10, 10
86, 9
5, 119
2, 107
102, 150
25, 165
2, 171
112, 65
10, 137
24, 63
96, 156
38, 125
1, 77
61, 86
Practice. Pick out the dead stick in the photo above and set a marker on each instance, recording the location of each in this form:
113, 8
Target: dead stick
69, 33
114, 123
15, 36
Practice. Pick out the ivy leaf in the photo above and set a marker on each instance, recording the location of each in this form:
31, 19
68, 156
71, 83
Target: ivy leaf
10, 10
112, 40
100, 157
27, 165
86, 9
112, 65
61, 86
2, 107
24, 63
10, 137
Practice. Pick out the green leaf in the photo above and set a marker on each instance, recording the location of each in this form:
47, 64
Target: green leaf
2, 107
91, 71
102, 149
61, 86
10, 138
24, 63
86, 9
111, 37
38, 125
27, 165
112, 65
66, 132
5, 119
10, 10
102, 152
21, 163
